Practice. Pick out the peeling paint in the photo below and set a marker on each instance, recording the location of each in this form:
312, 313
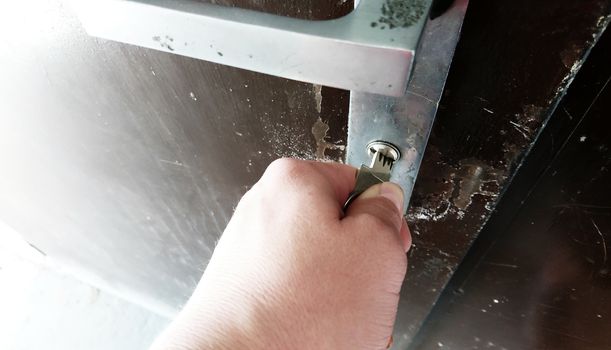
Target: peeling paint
452, 193
319, 130
475, 178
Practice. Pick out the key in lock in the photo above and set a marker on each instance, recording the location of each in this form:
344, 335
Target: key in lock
384, 155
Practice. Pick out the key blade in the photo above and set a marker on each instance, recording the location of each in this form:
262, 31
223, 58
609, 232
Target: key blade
381, 163
378, 172
366, 177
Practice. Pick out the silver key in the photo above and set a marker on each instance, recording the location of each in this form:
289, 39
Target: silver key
384, 155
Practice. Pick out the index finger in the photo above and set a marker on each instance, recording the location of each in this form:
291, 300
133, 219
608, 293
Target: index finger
341, 177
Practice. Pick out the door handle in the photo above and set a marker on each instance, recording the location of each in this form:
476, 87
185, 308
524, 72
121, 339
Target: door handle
407, 121
371, 49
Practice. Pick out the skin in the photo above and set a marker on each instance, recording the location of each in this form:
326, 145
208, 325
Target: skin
293, 271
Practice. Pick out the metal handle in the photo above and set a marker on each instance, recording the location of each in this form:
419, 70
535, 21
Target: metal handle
406, 121
372, 49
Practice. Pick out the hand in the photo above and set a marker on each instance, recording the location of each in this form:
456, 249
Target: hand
291, 271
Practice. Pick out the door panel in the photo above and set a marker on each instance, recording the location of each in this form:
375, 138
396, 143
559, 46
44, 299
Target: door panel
126, 163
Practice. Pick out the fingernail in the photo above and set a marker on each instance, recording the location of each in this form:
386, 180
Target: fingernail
394, 193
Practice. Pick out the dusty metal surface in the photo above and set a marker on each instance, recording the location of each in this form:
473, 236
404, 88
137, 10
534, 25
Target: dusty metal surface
539, 275
497, 99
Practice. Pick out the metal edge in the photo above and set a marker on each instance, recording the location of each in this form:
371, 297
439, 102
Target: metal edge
348, 52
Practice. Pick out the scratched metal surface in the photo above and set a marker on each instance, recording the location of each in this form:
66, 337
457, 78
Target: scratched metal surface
126, 163
512, 65
539, 275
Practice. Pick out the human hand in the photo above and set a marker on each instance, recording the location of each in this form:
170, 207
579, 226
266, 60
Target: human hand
291, 271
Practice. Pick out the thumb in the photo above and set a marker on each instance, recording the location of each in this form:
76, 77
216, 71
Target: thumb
382, 201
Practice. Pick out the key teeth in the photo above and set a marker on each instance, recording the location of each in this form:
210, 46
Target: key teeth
382, 163
386, 162
386, 148
383, 157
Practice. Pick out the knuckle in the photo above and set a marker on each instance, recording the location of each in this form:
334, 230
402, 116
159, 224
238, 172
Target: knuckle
287, 169
283, 163
249, 197
250, 201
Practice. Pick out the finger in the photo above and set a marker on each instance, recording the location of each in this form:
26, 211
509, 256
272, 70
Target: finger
384, 202
326, 185
341, 177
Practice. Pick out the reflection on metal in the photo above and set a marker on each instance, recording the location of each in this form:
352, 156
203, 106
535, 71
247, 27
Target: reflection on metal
406, 121
386, 148
370, 49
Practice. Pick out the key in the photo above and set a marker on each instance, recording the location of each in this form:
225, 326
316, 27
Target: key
384, 155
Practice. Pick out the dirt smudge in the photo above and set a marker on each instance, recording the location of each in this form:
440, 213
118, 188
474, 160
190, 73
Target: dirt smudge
319, 131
